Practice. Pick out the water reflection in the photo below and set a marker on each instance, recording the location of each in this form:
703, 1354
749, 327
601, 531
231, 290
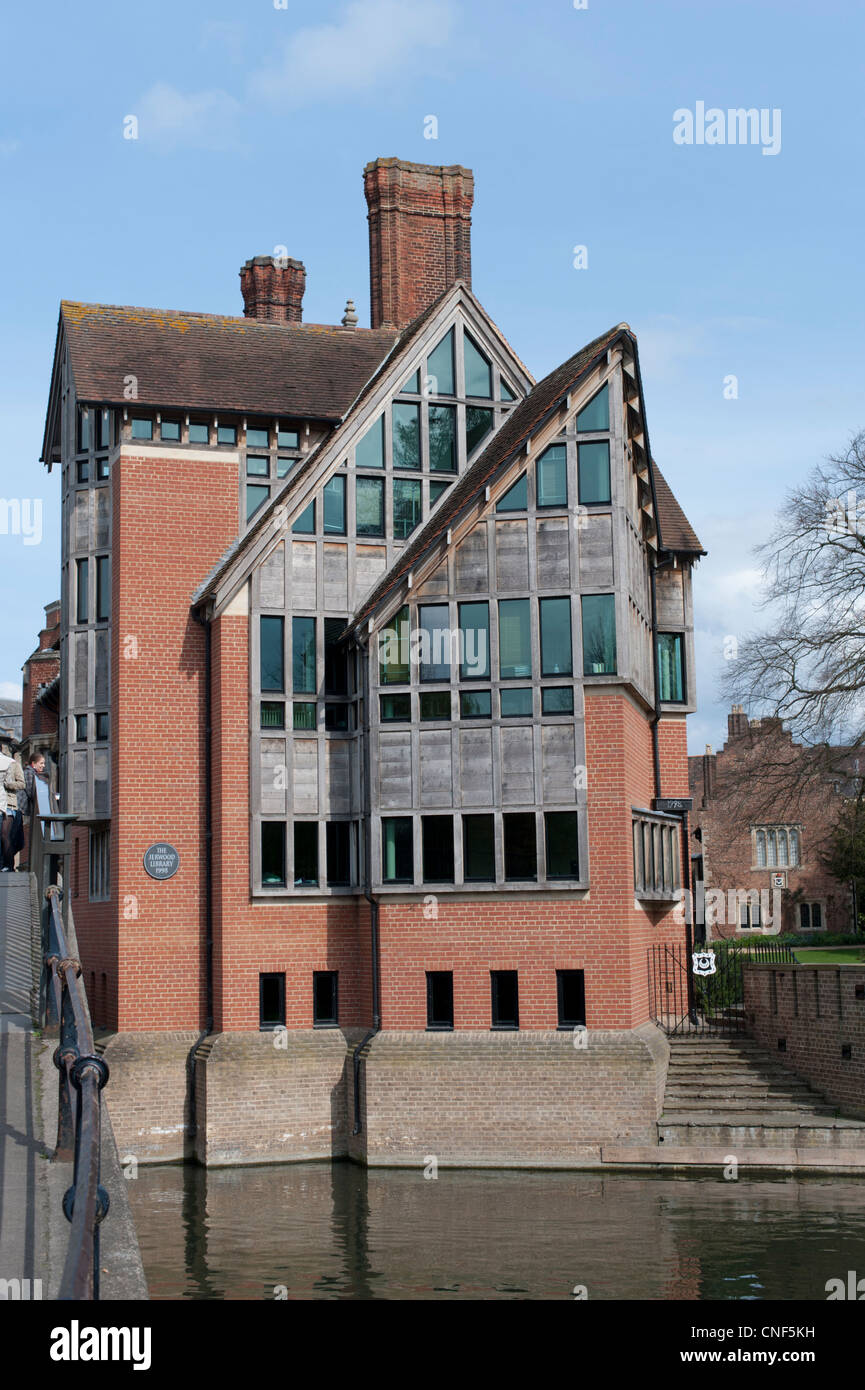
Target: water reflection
337, 1231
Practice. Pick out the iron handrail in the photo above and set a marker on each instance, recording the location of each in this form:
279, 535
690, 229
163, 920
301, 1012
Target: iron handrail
82, 1074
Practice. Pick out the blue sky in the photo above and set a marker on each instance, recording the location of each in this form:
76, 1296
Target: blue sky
255, 122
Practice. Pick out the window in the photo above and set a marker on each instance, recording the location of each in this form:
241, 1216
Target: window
504, 1008
333, 496
284, 467
325, 1012
571, 991
257, 438
440, 367
338, 841
226, 434
810, 917
557, 699
556, 653
476, 704
82, 603
83, 470
142, 429
406, 507
199, 432
439, 999
515, 639
749, 913
369, 505
670, 667
516, 499
101, 470
435, 642
406, 435
393, 650
395, 707
336, 718
474, 621
303, 655
102, 727
595, 415
479, 422
656, 857
305, 854
170, 429
103, 429
272, 661
273, 854
436, 489
303, 715
563, 855
272, 714
271, 1001
516, 702
335, 657
435, 704
521, 850
397, 852
505, 391
599, 634
81, 728
776, 847
370, 449
437, 836
551, 477
479, 375
412, 386
84, 419
443, 438
479, 849
305, 524
100, 865
258, 465
287, 439
594, 472
256, 496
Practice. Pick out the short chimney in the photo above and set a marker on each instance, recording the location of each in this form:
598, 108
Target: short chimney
419, 235
737, 722
272, 289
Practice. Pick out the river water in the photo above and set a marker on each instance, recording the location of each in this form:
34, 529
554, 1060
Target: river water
339, 1231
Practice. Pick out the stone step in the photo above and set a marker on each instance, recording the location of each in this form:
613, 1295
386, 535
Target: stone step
725, 1079
697, 1084
735, 1133
758, 1105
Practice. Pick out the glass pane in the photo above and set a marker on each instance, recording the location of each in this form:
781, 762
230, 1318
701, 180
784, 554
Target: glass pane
84, 431
369, 506
103, 589
479, 851
287, 439
761, 849
272, 714
479, 375
226, 434
305, 853
521, 851
83, 602
170, 429
437, 838
303, 714
395, 707
557, 699
435, 704
552, 477
272, 658
515, 642
101, 468
338, 861
393, 650
516, 701
406, 506
142, 429
257, 439
435, 491
595, 415
474, 619
406, 435
336, 718
435, 643
556, 654
336, 657
476, 704
273, 853
670, 666
440, 367
479, 422
412, 386
794, 847
443, 438
334, 506
396, 847
370, 449
258, 465
199, 433
562, 850
305, 524
303, 655
516, 499
505, 390
256, 496
599, 635
594, 472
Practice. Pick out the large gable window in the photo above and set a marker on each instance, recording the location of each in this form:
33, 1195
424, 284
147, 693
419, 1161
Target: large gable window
595, 415
406, 435
370, 450
440, 368
479, 374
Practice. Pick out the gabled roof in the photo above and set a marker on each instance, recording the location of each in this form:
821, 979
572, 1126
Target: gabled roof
676, 531
197, 361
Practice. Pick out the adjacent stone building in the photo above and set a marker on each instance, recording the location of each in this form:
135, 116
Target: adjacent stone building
392, 646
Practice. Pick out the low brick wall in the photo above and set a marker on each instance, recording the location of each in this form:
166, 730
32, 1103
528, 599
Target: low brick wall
818, 1011
148, 1094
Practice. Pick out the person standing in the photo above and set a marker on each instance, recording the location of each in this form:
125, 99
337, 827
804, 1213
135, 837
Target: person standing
12, 786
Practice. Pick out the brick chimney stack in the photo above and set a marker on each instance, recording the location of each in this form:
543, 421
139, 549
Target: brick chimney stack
273, 289
419, 235
737, 722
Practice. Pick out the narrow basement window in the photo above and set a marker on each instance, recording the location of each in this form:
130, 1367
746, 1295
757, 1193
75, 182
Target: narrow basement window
271, 1001
439, 999
325, 1012
505, 1011
571, 990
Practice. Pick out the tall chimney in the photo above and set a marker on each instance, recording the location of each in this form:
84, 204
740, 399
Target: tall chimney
273, 289
419, 235
737, 722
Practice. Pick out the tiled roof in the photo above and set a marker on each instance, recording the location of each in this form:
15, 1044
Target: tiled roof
207, 362
676, 531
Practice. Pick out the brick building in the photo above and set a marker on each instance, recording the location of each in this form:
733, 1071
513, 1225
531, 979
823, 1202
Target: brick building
41, 689
393, 646
764, 811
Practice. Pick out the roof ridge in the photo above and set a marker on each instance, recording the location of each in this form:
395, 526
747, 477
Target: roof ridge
79, 304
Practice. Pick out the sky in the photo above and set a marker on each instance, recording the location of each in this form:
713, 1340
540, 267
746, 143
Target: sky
252, 124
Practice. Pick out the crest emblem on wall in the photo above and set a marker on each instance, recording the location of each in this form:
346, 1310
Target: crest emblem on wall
704, 962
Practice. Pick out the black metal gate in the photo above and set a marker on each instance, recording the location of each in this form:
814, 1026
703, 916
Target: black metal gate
682, 1001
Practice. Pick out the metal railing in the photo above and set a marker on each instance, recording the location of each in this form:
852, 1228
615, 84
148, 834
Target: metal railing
63, 1013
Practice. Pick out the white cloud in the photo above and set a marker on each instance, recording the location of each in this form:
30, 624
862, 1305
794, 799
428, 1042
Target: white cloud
202, 120
225, 34
372, 42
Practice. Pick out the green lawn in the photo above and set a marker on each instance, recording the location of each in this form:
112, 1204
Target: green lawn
852, 955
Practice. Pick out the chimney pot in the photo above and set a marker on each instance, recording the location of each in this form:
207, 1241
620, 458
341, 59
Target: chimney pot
272, 289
